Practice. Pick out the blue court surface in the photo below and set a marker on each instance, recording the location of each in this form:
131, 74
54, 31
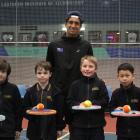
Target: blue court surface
108, 136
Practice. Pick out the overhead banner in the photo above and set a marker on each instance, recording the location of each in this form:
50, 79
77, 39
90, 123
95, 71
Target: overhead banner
32, 3
39, 12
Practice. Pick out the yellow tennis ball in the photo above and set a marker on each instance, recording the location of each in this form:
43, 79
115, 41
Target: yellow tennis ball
87, 103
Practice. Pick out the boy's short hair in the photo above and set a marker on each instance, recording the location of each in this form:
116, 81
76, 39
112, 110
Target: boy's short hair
125, 66
89, 58
43, 64
5, 66
76, 14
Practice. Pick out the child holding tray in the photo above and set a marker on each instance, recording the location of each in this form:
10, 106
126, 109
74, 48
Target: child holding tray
127, 128
10, 105
43, 91
87, 124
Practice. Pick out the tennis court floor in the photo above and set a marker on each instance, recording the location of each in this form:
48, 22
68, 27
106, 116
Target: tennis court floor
108, 136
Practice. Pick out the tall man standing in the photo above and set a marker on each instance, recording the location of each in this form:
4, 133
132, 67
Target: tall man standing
65, 54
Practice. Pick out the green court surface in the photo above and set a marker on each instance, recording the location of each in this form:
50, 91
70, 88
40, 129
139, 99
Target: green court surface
24, 51
100, 53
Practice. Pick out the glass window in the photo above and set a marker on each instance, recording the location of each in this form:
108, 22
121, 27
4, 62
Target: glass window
95, 37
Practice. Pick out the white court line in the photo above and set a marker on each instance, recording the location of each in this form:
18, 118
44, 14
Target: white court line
33, 42
58, 138
109, 132
63, 136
